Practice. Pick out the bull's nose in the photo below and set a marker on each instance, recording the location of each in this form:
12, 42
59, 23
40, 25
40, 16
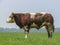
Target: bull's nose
7, 21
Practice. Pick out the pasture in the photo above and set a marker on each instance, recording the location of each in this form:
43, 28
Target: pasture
35, 38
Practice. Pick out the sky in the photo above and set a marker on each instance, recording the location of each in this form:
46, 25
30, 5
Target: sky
9, 6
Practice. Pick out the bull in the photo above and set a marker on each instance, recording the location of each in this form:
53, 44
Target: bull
33, 20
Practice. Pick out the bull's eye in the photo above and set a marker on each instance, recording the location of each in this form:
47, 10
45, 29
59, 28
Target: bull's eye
11, 17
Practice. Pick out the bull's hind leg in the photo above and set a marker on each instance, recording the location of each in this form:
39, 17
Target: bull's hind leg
50, 29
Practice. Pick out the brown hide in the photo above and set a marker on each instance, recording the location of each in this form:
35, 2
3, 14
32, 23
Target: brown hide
24, 20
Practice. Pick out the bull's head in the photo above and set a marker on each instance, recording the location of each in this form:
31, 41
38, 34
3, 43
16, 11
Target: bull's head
10, 19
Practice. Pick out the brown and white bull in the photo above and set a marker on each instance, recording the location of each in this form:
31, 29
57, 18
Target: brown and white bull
33, 20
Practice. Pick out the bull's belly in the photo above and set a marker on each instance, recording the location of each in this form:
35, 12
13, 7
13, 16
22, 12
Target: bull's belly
34, 26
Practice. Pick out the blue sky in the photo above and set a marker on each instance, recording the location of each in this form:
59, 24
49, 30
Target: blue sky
8, 6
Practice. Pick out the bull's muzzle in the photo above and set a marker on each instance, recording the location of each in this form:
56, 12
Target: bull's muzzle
9, 20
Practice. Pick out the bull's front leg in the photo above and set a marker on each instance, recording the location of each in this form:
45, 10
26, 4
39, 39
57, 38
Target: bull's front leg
26, 29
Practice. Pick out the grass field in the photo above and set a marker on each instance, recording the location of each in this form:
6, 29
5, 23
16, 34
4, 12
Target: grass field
35, 38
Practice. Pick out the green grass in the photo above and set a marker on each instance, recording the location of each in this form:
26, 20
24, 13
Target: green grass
35, 38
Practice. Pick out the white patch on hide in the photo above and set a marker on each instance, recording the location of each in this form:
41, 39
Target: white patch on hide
32, 15
43, 12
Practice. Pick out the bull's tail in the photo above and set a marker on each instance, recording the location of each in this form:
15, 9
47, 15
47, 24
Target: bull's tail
53, 28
